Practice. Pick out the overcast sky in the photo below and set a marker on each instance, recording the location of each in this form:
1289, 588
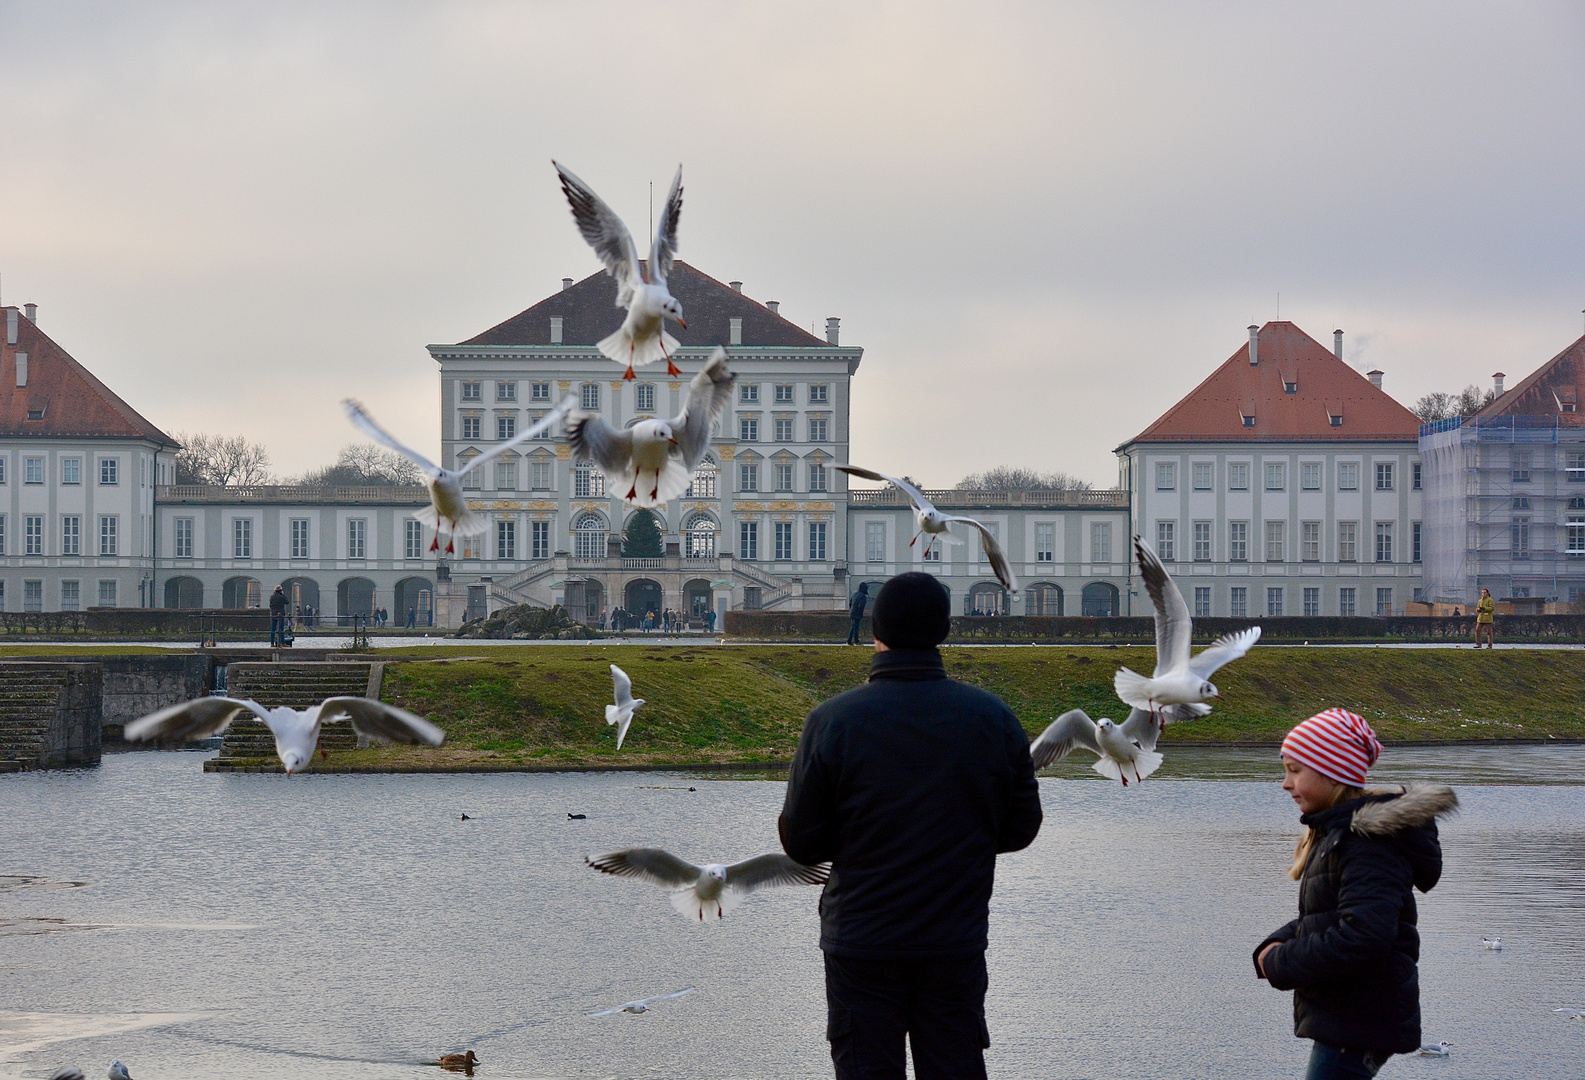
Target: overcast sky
1044, 223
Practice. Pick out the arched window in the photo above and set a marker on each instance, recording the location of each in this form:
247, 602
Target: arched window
702, 486
1043, 598
1100, 599
701, 535
588, 537
987, 598
588, 482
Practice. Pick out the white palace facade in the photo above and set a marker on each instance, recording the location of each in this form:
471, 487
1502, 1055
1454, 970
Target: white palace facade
1284, 484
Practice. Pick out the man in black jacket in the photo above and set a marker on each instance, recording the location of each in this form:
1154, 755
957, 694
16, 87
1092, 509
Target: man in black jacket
856, 612
910, 786
278, 604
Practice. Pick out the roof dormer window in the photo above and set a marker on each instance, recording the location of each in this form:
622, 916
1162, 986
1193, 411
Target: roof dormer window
35, 414
1249, 419
1290, 387
1336, 419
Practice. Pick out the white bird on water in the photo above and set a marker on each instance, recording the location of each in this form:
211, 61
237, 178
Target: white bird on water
446, 499
715, 888
1494, 944
296, 731
1120, 749
1571, 1014
621, 714
642, 338
1178, 679
653, 461
933, 523
640, 1006
118, 1071
1441, 1049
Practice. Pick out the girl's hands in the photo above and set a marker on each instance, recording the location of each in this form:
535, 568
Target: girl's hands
1260, 961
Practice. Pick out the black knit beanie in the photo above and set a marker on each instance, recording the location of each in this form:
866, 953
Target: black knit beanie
912, 612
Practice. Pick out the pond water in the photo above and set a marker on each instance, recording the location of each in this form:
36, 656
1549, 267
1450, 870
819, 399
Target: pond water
354, 926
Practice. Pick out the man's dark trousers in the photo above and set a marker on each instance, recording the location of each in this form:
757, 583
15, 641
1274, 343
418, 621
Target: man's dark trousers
853, 628
939, 1003
277, 629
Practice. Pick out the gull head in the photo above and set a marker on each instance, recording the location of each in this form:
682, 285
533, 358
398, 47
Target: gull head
1104, 724
673, 311
294, 761
1207, 690
654, 431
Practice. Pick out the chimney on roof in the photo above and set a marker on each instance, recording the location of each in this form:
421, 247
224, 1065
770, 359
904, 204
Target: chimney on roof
566, 283
1496, 383
32, 312
22, 367
1374, 375
11, 326
735, 333
555, 329
1254, 345
737, 286
774, 306
833, 329
1337, 344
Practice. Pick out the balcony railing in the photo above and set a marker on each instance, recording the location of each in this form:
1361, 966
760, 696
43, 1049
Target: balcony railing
285, 493
890, 496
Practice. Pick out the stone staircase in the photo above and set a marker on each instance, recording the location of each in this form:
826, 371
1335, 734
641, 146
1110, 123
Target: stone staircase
297, 685
49, 714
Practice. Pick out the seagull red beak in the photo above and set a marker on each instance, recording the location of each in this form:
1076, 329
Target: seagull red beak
682, 323
672, 440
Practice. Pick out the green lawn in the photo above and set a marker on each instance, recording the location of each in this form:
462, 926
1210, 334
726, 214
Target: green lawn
544, 704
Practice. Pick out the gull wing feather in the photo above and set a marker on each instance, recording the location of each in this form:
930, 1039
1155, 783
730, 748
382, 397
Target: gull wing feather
594, 440
366, 424
1174, 627
773, 869
190, 720
605, 232
1143, 729
994, 554
534, 431
653, 865
1072, 728
1224, 650
663, 251
708, 395
377, 720
915, 496
623, 686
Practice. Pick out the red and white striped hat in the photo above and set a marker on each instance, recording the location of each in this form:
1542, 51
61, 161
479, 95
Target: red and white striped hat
1337, 744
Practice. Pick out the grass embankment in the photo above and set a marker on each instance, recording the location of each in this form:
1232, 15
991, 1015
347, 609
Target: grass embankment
544, 705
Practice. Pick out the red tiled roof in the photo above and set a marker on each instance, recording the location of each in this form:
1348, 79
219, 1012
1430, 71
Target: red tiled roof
1556, 388
1214, 410
589, 313
72, 401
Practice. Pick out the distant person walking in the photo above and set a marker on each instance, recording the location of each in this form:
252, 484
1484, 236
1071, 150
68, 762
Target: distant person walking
910, 786
856, 612
412, 618
278, 605
1350, 957
709, 621
1485, 618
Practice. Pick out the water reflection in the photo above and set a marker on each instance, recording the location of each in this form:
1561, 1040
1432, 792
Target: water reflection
355, 926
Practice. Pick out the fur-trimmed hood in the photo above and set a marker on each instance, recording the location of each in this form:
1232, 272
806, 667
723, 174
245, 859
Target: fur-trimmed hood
1383, 812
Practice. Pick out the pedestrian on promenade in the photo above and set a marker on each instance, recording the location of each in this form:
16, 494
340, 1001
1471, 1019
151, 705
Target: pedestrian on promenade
856, 612
910, 786
709, 621
278, 603
412, 618
1350, 957
1485, 618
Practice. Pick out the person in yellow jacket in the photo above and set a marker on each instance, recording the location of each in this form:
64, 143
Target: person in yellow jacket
1485, 618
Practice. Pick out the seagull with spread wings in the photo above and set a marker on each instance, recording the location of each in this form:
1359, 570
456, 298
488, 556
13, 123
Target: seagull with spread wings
642, 338
640, 1006
446, 500
1120, 749
1179, 679
621, 714
933, 523
715, 888
296, 731
653, 461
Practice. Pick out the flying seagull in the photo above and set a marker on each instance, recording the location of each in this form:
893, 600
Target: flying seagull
715, 888
934, 523
1571, 1014
653, 461
1120, 749
446, 500
621, 714
642, 338
640, 1006
296, 731
1178, 678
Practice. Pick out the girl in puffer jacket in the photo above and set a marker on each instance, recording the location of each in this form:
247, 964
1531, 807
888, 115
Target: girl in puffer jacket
1350, 957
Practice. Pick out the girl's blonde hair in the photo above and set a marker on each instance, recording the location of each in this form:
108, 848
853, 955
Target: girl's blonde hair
1301, 852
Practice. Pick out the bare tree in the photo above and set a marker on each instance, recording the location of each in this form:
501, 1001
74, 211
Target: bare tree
1013, 478
221, 461
1440, 406
364, 465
